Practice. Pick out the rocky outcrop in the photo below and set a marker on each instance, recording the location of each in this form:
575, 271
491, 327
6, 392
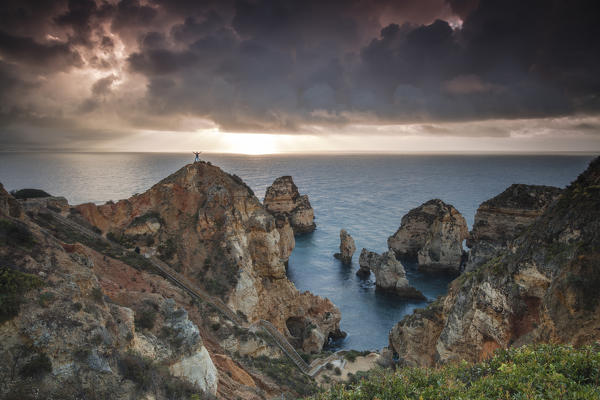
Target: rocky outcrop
347, 248
432, 234
199, 370
287, 241
9, 205
282, 199
543, 288
209, 226
502, 218
87, 320
389, 273
90, 346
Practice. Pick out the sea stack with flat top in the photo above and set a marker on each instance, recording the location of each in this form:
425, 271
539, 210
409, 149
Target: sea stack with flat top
283, 199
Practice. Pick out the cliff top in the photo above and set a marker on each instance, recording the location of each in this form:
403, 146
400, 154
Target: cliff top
521, 196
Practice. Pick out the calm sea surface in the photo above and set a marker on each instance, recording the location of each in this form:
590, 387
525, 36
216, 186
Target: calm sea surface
365, 194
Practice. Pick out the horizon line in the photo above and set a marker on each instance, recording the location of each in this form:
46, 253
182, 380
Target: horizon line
324, 152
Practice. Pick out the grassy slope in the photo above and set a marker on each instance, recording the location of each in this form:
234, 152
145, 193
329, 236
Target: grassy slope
529, 372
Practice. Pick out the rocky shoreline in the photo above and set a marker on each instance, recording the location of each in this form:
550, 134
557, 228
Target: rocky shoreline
534, 278
81, 309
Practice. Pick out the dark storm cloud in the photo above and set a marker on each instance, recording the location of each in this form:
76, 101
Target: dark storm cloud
283, 65
52, 55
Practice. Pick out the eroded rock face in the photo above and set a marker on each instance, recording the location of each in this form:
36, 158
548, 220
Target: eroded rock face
500, 219
85, 337
347, 248
198, 369
210, 227
432, 234
282, 199
9, 205
544, 288
389, 273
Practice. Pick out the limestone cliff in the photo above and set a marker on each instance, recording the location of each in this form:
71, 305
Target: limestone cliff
347, 248
431, 234
389, 273
283, 200
62, 337
500, 219
543, 288
209, 226
82, 318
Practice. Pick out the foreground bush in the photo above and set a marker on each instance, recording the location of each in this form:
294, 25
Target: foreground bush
13, 286
530, 372
29, 193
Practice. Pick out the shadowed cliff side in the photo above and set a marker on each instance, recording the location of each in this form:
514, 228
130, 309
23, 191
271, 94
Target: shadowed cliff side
543, 288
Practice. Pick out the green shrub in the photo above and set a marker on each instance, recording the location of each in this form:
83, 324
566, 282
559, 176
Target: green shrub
137, 369
13, 286
15, 234
29, 194
351, 355
150, 376
167, 249
37, 367
530, 372
142, 219
45, 299
215, 287
337, 371
145, 318
97, 295
284, 372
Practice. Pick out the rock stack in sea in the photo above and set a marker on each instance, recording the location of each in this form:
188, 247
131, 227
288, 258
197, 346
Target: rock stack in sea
431, 234
389, 273
283, 200
500, 219
347, 248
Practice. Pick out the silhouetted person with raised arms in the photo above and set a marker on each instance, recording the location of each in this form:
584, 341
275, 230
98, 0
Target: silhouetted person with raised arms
197, 154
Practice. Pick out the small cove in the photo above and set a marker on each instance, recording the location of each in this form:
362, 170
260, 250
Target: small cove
364, 194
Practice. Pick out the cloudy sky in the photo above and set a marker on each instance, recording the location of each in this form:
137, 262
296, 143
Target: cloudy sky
260, 76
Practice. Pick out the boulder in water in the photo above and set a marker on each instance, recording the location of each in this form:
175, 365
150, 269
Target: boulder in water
389, 273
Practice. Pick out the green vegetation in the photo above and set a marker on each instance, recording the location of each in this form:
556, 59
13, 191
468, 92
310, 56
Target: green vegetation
13, 286
167, 249
150, 376
97, 295
145, 318
45, 299
584, 278
215, 287
351, 355
530, 372
142, 219
37, 367
220, 274
284, 372
29, 194
15, 234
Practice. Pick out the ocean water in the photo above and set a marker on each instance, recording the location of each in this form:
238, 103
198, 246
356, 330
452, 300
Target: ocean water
365, 194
